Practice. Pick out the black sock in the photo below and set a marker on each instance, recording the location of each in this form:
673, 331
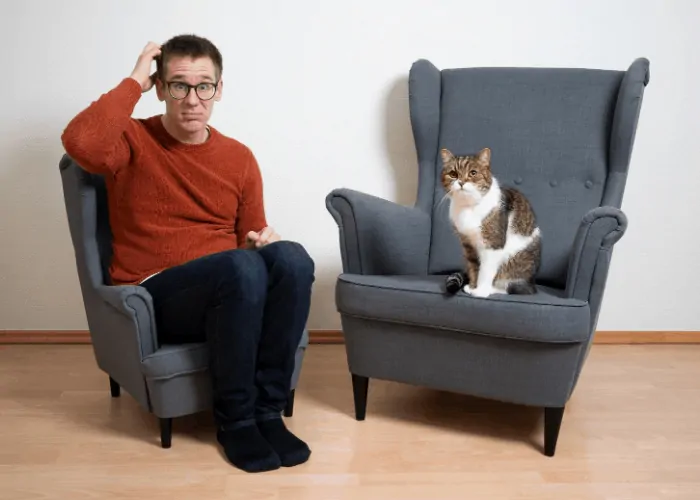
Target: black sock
247, 449
291, 450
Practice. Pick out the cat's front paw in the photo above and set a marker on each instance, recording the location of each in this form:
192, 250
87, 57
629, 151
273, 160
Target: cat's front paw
468, 289
484, 291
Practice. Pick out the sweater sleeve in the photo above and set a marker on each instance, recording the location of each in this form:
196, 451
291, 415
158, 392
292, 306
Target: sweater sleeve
251, 208
96, 137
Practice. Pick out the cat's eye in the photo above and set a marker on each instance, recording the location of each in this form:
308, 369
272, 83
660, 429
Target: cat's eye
473, 172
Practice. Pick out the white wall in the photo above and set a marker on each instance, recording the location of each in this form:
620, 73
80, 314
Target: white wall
318, 90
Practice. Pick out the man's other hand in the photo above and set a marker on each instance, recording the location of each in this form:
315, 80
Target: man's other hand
264, 237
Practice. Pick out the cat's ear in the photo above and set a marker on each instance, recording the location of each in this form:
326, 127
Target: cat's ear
484, 156
447, 155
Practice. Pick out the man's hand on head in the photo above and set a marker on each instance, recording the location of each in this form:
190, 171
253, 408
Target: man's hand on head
142, 70
264, 237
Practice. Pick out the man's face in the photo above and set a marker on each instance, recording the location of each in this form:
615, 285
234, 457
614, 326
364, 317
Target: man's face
192, 112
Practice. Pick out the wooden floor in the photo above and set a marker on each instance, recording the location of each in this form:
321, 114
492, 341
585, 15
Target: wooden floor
631, 431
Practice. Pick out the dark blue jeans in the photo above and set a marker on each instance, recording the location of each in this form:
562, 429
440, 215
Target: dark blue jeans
251, 307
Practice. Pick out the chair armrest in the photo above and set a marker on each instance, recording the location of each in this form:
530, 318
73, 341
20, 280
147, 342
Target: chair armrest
136, 304
598, 232
378, 236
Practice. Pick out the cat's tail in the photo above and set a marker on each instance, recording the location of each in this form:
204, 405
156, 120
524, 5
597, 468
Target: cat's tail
521, 287
454, 282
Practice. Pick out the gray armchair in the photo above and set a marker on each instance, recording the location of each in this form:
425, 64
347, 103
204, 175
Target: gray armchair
167, 380
564, 137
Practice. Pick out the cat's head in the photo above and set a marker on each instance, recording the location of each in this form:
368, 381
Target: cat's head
466, 177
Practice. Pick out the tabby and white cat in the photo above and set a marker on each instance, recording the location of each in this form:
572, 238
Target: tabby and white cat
496, 226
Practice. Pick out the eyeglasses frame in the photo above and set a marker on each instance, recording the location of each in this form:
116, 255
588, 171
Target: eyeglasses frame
189, 88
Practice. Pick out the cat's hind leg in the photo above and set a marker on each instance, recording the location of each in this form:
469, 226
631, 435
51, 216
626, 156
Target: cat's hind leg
515, 287
516, 276
522, 288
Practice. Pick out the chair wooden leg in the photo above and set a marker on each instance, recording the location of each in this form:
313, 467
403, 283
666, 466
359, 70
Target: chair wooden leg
360, 386
289, 409
166, 432
114, 388
552, 424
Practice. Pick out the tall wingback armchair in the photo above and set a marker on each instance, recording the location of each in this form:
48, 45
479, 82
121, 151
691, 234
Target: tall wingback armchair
564, 137
167, 380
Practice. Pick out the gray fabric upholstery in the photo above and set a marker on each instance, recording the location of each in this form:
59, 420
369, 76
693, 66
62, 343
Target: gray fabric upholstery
167, 380
547, 316
528, 373
549, 132
599, 230
562, 136
380, 237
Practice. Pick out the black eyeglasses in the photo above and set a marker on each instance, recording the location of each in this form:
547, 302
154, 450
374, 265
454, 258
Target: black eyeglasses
180, 90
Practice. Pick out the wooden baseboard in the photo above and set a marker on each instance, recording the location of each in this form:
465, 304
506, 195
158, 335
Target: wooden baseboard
647, 337
83, 337
44, 337
326, 337
336, 337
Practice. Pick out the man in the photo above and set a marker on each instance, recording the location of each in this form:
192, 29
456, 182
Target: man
188, 223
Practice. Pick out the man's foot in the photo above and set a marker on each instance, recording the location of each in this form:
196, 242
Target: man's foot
248, 450
291, 450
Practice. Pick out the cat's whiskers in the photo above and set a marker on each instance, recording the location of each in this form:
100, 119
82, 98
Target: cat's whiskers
446, 197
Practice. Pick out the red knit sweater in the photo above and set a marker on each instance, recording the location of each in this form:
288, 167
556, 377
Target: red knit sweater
169, 202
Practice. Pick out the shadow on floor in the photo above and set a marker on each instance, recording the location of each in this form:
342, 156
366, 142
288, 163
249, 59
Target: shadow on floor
418, 405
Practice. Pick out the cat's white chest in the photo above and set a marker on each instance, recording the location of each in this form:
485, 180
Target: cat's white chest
468, 222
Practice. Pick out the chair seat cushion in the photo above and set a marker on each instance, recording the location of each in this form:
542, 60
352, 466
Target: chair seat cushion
170, 361
176, 360
547, 316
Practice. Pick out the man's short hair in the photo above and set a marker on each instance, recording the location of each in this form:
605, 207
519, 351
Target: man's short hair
189, 46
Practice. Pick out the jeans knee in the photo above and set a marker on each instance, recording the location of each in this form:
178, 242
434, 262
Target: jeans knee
289, 258
244, 273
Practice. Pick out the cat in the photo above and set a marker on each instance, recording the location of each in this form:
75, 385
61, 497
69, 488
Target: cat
497, 228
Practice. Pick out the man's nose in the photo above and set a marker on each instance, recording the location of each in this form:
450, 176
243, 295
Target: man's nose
192, 98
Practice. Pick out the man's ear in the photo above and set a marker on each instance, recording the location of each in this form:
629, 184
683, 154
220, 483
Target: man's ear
219, 90
160, 88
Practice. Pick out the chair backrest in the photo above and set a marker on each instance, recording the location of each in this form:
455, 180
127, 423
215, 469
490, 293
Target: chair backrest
552, 133
85, 197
